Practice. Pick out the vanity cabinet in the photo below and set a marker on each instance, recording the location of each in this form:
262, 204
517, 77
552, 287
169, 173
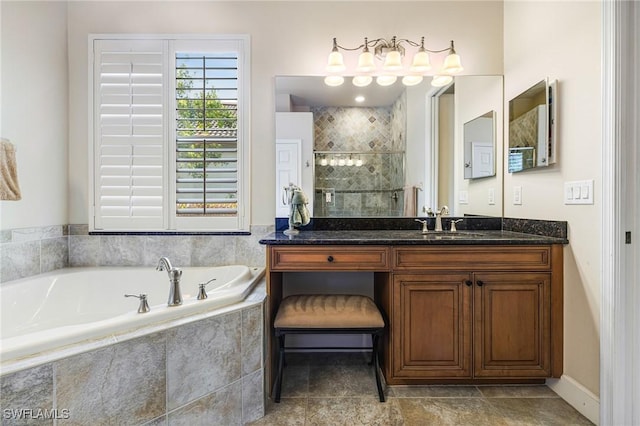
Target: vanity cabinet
455, 313
474, 313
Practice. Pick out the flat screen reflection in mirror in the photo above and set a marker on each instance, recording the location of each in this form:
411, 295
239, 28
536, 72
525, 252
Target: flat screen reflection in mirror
406, 146
480, 146
532, 127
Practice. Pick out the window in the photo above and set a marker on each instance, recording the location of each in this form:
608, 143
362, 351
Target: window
170, 134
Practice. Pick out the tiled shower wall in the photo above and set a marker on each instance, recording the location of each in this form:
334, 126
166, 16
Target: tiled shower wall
30, 251
376, 188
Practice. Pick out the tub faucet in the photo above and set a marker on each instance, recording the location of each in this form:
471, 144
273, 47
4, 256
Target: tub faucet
175, 297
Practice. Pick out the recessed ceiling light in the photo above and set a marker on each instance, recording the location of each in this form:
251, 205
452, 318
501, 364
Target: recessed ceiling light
359, 98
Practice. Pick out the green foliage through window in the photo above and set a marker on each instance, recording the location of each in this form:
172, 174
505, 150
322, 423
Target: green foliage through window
206, 134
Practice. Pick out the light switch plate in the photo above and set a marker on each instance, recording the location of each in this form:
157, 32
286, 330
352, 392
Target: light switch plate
463, 197
517, 195
578, 192
491, 196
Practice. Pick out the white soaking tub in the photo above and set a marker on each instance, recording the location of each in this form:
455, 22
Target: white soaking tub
68, 306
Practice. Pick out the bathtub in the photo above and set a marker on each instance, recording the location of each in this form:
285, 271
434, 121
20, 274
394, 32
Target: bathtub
73, 305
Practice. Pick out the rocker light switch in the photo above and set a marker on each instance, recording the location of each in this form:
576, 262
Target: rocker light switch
578, 192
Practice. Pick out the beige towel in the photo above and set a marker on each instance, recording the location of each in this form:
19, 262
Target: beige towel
9, 188
411, 200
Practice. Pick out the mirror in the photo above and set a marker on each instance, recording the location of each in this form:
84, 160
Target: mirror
480, 146
384, 156
532, 128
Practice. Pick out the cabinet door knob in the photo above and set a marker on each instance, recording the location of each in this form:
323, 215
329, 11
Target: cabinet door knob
330, 259
469, 283
480, 283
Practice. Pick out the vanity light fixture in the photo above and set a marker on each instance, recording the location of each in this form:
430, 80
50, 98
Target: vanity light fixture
391, 53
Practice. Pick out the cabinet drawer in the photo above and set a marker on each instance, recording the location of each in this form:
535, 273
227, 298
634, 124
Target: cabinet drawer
477, 258
329, 258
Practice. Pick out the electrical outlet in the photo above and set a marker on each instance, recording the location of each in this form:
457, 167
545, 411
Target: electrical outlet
517, 195
329, 195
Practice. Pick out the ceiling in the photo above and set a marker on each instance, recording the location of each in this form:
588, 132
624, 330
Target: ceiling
310, 91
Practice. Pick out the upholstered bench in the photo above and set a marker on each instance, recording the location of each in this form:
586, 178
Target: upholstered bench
328, 314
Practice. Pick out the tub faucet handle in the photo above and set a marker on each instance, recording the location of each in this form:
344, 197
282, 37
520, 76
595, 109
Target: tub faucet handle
144, 305
202, 293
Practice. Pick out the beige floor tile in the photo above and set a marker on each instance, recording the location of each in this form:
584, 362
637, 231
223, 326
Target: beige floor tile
517, 391
538, 411
453, 391
352, 412
288, 412
449, 411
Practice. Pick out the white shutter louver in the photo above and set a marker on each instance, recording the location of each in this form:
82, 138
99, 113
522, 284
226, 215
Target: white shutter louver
129, 132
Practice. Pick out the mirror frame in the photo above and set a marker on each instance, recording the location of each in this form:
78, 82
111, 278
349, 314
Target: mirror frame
532, 127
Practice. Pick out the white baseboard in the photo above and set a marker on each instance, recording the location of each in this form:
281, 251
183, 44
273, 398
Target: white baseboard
577, 396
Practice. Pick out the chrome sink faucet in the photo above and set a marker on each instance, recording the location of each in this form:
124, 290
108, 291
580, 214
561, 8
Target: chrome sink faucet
442, 211
175, 297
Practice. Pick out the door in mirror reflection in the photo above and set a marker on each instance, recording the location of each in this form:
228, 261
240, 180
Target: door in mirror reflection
479, 146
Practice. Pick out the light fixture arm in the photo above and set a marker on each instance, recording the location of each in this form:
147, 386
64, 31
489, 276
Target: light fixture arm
390, 51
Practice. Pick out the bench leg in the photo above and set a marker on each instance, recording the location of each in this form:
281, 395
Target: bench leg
277, 386
376, 366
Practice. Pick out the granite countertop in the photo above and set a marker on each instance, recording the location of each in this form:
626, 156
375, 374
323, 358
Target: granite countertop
409, 237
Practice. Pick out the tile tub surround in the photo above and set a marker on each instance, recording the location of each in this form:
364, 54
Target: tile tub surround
31, 251
208, 371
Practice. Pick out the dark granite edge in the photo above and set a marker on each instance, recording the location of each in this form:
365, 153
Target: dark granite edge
547, 228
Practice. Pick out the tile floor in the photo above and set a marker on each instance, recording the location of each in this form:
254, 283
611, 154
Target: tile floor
339, 389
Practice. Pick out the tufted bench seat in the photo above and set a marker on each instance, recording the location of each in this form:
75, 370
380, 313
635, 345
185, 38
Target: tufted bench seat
328, 314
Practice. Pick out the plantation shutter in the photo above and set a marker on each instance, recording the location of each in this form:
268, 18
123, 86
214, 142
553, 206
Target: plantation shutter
129, 133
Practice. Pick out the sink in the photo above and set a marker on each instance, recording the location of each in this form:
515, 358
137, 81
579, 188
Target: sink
452, 235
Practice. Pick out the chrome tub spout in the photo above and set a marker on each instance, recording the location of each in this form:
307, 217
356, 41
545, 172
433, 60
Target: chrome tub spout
175, 296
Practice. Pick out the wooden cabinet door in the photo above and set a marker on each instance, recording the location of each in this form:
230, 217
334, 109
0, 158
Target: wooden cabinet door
512, 325
431, 327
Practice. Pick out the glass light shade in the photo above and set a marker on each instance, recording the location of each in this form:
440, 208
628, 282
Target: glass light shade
365, 62
362, 80
441, 80
358, 162
393, 61
332, 162
335, 62
341, 162
420, 62
411, 80
323, 162
452, 64
333, 80
386, 80
349, 162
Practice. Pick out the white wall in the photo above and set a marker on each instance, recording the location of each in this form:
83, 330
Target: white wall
562, 40
34, 110
287, 38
